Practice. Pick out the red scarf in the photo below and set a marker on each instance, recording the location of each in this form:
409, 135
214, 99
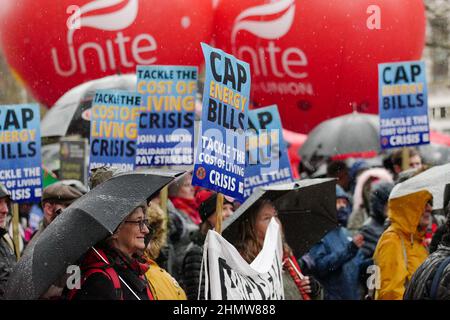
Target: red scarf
187, 206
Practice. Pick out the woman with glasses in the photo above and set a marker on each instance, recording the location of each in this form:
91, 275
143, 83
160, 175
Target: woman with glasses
162, 285
111, 270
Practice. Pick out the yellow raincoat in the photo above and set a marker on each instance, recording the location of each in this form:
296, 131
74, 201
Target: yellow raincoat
162, 285
400, 250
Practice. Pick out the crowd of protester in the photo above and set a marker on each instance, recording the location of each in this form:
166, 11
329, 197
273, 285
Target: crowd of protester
159, 255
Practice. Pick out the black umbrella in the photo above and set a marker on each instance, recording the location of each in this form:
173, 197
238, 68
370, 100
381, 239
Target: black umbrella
87, 221
306, 208
70, 114
348, 134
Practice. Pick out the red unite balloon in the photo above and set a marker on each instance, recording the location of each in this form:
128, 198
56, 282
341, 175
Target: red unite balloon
55, 45
318, 59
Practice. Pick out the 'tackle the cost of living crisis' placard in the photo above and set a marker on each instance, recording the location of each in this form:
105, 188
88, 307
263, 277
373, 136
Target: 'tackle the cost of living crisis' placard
268, 161
114, 129
220, 158
403, 104
166, 125
20, 152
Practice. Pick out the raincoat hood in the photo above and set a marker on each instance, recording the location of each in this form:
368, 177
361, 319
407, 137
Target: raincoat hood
379, 197
405, 212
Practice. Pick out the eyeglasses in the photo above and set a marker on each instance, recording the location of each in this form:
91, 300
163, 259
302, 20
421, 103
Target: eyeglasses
142, 223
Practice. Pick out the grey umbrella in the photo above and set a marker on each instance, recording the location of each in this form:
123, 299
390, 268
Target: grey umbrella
70, 116
347, 134
90, 219
434, 180
306, 208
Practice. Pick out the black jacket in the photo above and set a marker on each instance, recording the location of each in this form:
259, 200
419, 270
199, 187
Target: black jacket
7, 261
190, 270
375, 226
181, 231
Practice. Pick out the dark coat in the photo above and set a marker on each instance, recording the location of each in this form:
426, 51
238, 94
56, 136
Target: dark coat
192, 263
181, 230
7, 261
419, 288
375, 226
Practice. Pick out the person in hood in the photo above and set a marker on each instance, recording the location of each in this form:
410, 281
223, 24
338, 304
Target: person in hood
372, 230
162, 285
8, 256
374, 227
361, 198
431, 281
343, 206
400, 250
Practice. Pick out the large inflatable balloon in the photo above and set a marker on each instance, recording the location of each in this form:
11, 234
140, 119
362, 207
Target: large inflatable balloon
55, 45
318, 59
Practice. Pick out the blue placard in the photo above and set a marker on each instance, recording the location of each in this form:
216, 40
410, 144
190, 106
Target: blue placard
403, 104
220, 155
114, 129
268, 161
20, 152
166, 127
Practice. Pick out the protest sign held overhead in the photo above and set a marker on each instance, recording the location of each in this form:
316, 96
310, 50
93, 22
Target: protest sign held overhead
73, 159
166, 125
403, 104
229, 277
114, 130
268, 161
220, 157
20, 152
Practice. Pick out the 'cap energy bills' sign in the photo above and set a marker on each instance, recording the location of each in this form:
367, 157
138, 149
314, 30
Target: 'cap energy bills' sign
403, 104
166, 125
268, 161
114, 129
220, 158
20, 152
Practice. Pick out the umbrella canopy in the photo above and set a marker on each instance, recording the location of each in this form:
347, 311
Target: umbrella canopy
354, 133
90, 219
433, 180
306, 208
435, 154
70, 111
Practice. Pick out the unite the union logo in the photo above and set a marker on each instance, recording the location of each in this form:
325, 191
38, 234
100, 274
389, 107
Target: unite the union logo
105, 51
281, 62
